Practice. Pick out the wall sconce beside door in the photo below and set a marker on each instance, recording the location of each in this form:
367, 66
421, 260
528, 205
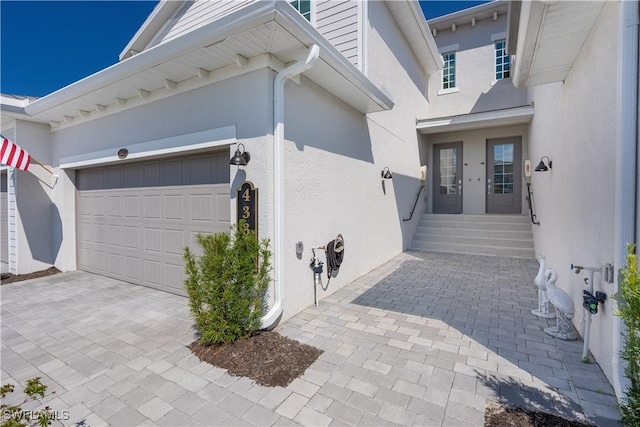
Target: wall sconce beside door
541, 166
386, 173
240, 158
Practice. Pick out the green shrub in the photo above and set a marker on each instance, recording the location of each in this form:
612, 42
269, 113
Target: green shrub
15, 416
227, 284
629, 308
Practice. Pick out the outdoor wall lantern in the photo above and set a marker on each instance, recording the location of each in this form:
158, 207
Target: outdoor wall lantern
541, 166
240, 158
386, 173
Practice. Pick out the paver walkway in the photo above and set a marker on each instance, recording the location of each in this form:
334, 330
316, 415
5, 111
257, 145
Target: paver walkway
425, 339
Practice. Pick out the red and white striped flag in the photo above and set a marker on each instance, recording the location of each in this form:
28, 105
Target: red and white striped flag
13, 155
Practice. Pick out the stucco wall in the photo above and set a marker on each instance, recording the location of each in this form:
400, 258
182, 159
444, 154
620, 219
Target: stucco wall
474, 170
35, 214
574, 124
333, 159
475, 72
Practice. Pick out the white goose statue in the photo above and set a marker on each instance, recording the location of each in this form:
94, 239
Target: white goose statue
565, 309
544, 307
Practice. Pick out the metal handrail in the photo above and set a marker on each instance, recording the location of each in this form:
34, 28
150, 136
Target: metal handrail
414, 205
529, 199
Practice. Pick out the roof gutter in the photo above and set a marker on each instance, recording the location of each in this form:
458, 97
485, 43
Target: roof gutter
626, 164
270, 320
295, 23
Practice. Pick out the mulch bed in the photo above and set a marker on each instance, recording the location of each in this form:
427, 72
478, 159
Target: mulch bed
504, 416
268, 358
7, 278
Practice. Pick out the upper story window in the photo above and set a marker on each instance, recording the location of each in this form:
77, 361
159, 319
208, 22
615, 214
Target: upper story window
449, 70
503, 61
304, 7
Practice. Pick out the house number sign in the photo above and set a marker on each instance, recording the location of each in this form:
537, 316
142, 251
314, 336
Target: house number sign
248, 206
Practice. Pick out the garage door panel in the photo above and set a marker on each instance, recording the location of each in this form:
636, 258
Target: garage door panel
94, 260
153, 239
152, 206
131, 206
173, 207
223, 211
132, 238
131, 266
174, 242
115, 265
115, 236
201, 207
153, 273
114, 206
175, 276
146, 227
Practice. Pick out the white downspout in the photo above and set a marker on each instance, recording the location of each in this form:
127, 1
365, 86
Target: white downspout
627, 139
271, 318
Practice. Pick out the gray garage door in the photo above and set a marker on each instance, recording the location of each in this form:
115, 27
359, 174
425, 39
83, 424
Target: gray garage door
4, 223
134, 220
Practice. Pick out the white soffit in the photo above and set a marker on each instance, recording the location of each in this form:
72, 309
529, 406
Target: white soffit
415, 29
262, 34
468, 16
550, 37
506, 117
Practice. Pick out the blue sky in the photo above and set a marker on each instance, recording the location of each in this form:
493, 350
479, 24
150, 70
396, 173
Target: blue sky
46, 45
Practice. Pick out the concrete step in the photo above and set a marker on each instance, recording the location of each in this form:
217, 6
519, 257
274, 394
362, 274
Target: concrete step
475, 225
474, 249
497, 235
480, 241
523, 219
434, 230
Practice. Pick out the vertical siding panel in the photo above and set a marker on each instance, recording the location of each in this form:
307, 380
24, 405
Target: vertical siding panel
11, 195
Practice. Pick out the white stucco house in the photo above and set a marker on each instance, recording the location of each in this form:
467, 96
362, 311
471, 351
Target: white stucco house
326, 96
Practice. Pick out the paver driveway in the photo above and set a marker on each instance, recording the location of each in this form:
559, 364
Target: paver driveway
425, 339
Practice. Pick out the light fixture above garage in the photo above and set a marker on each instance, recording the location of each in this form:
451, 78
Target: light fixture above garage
240, 158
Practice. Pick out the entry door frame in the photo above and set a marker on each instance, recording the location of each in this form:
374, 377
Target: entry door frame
497, 202
447, 199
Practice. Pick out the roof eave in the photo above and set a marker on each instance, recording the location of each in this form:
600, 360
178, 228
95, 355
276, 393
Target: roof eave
433, 63
154, 23
505, 117
538, 39
248, 17
203, 36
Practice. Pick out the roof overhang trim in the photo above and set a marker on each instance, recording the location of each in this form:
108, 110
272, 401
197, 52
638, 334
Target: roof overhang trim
506, 117
251, 16
411, 21
549, 37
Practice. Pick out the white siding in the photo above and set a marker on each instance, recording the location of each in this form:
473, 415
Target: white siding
11, 195
195, 14
337, 21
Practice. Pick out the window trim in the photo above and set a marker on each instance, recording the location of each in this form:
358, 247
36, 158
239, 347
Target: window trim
452, 48
312, 10
495, 60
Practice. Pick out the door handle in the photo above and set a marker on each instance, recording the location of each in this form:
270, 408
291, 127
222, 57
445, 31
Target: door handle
488, 186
